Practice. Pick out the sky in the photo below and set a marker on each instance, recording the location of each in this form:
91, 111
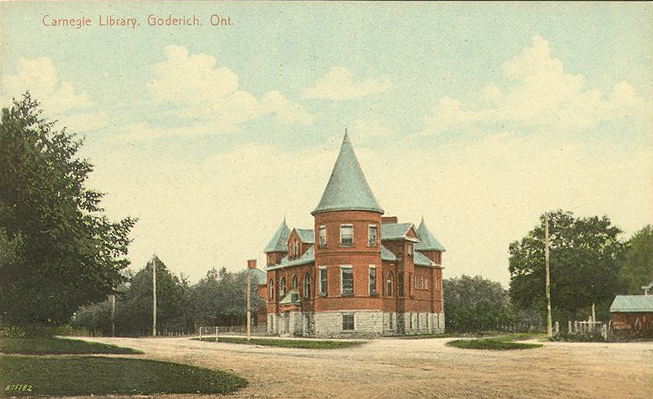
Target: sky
477, 117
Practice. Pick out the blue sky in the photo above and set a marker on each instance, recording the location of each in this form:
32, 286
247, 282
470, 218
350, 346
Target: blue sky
478, 117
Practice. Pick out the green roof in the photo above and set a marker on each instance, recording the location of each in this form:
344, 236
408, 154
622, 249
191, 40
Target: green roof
632, 304
308, 257
292, 297
306, 236
396, 231
279, 241
347, 189
426, 240
386, 254
259, 276
421, 259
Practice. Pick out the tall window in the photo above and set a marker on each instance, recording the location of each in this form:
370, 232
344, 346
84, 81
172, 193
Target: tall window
348, 322
372, 280
371, 235
346, 280
271, 290
294, 281
322, 237
282, 286
410, 249
307, 286
323, 281
346, 235
390, 283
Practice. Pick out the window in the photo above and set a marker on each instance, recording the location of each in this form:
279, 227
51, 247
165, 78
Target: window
346, 280
426, 283
416, 285
347, 322
323, 239
409, 249
271, 290
307, 286
371, 235
372, 280
323, 281
282, 286
294, 281
390, 327
389, 284
346, 235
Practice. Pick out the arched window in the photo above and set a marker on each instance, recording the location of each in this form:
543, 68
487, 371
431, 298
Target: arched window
307, 286
282, 286
294, 281
271, 290
390, 283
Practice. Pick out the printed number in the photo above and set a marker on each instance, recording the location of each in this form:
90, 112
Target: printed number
18, 387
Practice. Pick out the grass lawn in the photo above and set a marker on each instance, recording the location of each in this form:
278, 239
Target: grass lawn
35, 375
499, 343
287, 343
56, 346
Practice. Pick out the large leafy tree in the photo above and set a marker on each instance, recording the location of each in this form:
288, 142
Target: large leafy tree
474, 304
637, 268
134, 307
57, 249
584, 260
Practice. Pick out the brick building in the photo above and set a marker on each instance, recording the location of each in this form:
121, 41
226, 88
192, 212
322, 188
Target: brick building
361, 274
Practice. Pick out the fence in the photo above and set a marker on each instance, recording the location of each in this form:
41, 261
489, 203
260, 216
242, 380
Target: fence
588, 328
231, 330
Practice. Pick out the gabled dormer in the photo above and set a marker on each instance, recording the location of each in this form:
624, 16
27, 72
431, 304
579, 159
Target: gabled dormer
399, 238
299, 241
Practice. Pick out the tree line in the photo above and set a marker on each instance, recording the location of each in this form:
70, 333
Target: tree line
218, 299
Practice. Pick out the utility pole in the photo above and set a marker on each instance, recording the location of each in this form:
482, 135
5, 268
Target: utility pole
251, 264
154, 295
113, 315
549, 329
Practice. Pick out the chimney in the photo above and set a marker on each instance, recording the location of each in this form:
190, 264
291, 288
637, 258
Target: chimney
251, 263
389, 219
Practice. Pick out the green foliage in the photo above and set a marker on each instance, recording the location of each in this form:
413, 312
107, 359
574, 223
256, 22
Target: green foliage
287, 343
57, 250
584, 259
491, 344
637, 268
74, 376
58, 346
220, 298
474, 304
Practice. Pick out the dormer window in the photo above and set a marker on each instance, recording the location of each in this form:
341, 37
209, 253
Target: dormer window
372, 235
346, 235
322, 237
409, 249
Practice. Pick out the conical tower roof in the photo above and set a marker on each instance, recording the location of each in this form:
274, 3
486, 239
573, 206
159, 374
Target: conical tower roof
347, 189
426, 240
279, 241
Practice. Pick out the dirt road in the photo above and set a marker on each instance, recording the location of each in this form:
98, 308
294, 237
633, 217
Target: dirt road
426, 368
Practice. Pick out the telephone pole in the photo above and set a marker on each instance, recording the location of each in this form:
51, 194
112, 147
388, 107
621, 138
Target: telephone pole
251, 264
549, 329
154, 295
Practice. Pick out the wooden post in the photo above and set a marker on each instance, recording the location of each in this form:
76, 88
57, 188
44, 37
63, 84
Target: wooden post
154, 295
113, 315
251, 264
548, 276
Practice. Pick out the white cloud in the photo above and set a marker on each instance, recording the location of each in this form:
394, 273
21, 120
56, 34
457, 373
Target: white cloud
540, 93
39, 76
338, 84
202, 90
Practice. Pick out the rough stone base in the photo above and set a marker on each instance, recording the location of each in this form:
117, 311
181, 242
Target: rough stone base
366, 323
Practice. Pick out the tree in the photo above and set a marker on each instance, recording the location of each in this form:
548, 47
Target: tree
474, 304
58, 250
584, 259
134, 307
637, 268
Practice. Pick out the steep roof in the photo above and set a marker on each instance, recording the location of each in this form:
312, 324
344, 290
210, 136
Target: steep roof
259, 276
421, 260
306, 236
396, 231
279, 241
347, 188
386, 254
632, 303
308, 257
426, 240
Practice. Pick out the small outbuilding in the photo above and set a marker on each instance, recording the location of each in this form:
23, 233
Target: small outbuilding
632, 316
